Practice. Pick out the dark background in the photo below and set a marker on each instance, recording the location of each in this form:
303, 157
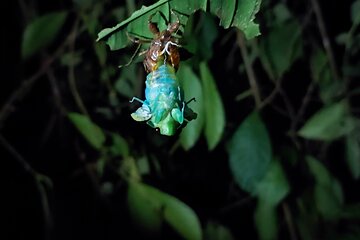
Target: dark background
37, 136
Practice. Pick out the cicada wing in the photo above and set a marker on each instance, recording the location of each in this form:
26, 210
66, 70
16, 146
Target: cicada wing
143, 113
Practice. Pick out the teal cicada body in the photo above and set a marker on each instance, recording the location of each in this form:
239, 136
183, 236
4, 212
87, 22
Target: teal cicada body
164, 107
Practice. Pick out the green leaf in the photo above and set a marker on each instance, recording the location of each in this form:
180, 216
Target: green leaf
327, 191
280, 48
353, 153
281, 12
192, 89
274, 186
266, 221
239, 14
328, 123
225, 10
355, 12
214, 109
250, 153
216, 231
244, 17
149, 208
90, 131
116, 36
41, 32
119, 146
330, 89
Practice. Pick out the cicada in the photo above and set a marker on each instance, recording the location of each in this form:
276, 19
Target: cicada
164, 107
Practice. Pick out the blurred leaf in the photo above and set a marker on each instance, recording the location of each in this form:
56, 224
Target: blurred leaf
330, 89
125, 84
84, 4
352, 152
250, 153
266, 220
214, 109
328, 123
119, 146
206, 37
41, 32
327, 192
216, 231
281, 48
90, 131
355, 12
101, 53
143, 165
71, 58
273, 188
192, 89
240, 14
281, 13
150, 207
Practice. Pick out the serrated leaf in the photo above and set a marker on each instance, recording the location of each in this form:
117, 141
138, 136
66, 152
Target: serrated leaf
239, 14
328, 123
149, 208
274, 186
192, 89
214, 109
327, 191
244, 17
250, 153
89, 130
41, 32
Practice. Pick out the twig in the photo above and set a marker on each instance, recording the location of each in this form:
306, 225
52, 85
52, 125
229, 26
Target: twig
71, 73
272, 95
37, 179
26, 84
303, 106
249, 70
289, 221
325, 38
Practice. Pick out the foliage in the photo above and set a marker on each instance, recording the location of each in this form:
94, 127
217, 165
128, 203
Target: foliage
273, 154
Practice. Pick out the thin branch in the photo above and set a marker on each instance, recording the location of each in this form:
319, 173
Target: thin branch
249, 70
289, 221
26, 84
272, 95
325, 38
38, 178
303, 106
71, 74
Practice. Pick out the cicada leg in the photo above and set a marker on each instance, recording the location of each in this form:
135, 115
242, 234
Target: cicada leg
191, 100
137, 99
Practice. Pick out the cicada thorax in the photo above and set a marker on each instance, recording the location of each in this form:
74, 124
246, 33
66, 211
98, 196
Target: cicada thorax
163, 48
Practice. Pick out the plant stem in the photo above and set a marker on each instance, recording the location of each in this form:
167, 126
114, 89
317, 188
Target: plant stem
71, 74
325, 38
249, 70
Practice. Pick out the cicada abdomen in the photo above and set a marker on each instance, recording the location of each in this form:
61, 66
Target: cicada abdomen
164, 107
